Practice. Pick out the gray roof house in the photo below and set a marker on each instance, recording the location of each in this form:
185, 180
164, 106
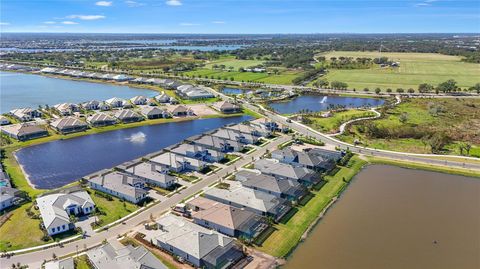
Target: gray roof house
283, 188
163, 98
226, 107
197, 152
4, 120
234, 135
61, 264
304, 159
251, 129
216, 143
127, 115
197, 245
177, 163
128, 257
152, 174
68, 125
179, 110
138, 100
256, 201
286, 171
23, 131
116, 102
324, 153
226, 219
7, 196
66, 109
122, 185
56, 209
91, 105
154, 112
101, 119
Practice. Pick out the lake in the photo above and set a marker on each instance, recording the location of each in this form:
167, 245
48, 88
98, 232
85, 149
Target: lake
321, 103
234, 91
54, 164
391, 217
27, 90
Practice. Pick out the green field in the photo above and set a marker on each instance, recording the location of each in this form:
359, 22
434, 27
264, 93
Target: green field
459, 119
331, 124
415, 68
230, 61
284, 77
114, 210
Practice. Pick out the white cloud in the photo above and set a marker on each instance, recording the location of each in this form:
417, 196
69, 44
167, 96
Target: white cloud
49, 22
173, 3
86, 17
69, 22
189, 24
133, 3
4, 23
218, 22
104, 3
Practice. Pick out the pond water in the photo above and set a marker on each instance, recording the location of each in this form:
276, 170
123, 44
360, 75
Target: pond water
391, 217
54, 164
234, 91
321, 103
19, 90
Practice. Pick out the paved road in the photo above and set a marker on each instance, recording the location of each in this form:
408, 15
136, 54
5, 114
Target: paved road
35, 259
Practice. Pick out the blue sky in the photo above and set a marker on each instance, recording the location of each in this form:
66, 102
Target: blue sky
240, 16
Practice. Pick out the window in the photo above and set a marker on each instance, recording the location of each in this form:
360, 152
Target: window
63, 227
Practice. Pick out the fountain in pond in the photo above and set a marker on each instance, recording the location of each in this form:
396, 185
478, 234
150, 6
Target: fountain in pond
324, 99
139, 137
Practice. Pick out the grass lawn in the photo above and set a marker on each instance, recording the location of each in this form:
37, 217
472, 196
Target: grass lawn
21, 231
287, 235
114, 209
81, 262
415, 68
284, 77
459, 119
331, 124
230, 61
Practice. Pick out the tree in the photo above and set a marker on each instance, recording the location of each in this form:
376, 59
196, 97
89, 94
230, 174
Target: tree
475, 88
437, 141
366, 89
389, 90
447, 86
338, 85
411, 90
425, 87
400, 90
377, 90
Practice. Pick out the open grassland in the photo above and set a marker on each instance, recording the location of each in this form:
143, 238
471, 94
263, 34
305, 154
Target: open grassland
415, 68
331, 124
230, 61
286, 236
284, 77
407, 127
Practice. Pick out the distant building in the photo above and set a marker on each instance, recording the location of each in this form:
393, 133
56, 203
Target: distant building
122, 185
68, 125
23, 132
195, 244
128, 257
226, 107
56, 209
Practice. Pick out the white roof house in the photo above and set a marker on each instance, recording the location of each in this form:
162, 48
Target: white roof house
55, 209
139, 100
123, 185
163, 98
116, 102
152, 174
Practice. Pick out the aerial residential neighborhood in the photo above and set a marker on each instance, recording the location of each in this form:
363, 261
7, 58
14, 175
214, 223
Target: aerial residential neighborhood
180, 134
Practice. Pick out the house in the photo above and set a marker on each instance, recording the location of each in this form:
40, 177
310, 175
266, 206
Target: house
66, 109
139, 100
153, 174
216, 143
325, 153
286, 171
101, 119
283, 188
151, 102
92, 105
154, 112
56, 209
163, 98
66, 263
122, 185
303, 159
197, 152
103, 106
23, 131
25, 114
246, 128
270, 125
226, 107
234, 135
116, 102
197, 245
226, 219
121, 78
139, 81
4, 120
192, 92
180, 110
68, 125
177, 163
127, 115
8, 195
258, 202
129, 257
